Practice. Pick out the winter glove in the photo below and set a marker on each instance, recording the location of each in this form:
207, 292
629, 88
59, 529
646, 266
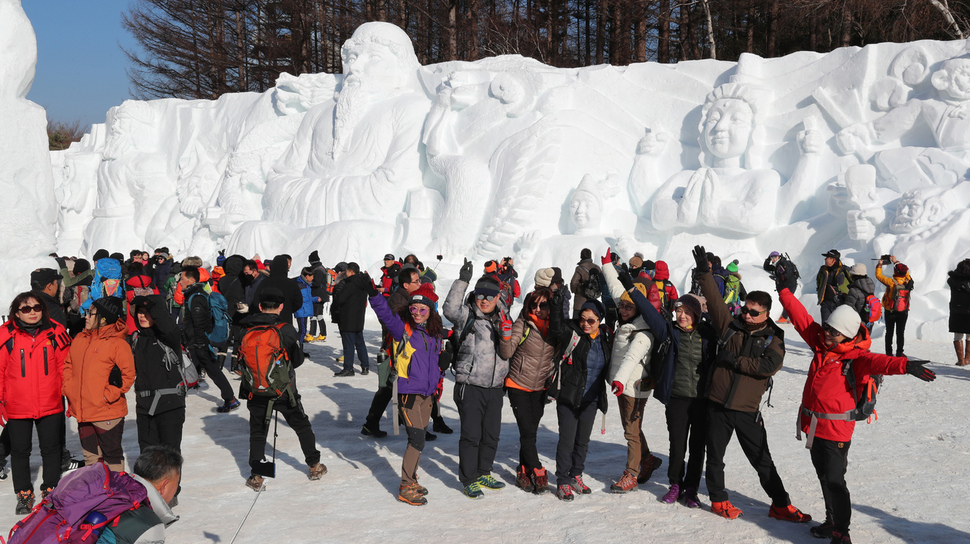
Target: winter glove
608, 258
781, 281
700, 258
728, 359
916, 368
625, 279
465, 274
3, 414
617, 388
371, 289
505, 326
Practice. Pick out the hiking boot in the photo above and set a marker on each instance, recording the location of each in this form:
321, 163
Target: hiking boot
255, 482
473, 490
364, 371
375, 432
626, 483
420, 489
441, 427
825, 529
579, 486
45, 492
25, 502
672, 495
308, 338
565, 492
409, 494
317, 471
788, 513
489, 482
540, 480
726, 510
321, 338
523, 479
840, 538
229, 406
343, 374
340, 359
690, 498
647, 466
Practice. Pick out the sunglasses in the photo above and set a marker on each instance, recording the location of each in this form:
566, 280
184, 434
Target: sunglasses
626, 306
831, 330
751, 311
485, 297
543, 306
29, 309
590, 321
420, 310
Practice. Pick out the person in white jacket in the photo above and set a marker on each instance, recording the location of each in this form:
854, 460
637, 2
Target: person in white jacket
630, 379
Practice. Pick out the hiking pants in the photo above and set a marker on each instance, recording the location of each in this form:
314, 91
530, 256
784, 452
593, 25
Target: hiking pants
528, 407
202, 357
687, 429
753, 439
301, 329
314, 321
830, 460
352, 340
21, 433
826, 308
294, 416
164, 429
895, 322
575, 428
480, 412
631, 417
102, 440
416, 411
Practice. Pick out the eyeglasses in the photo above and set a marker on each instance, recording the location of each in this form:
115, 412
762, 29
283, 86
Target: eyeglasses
751, 311
590, 321
481, 296
626, 306
29, 309
420, 310
542, 306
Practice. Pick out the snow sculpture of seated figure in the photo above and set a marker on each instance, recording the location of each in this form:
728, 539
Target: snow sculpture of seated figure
726, 194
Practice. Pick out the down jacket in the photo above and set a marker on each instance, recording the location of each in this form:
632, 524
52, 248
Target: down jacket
32, 369
93, 355
859, 290
423, 372
959, 302
826, 389
530, 355
479, 362
573, 372
632, 342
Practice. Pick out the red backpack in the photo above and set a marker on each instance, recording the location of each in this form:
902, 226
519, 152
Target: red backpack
899, 302
872, 309
266, 365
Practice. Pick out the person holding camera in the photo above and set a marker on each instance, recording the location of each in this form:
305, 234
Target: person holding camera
895, 301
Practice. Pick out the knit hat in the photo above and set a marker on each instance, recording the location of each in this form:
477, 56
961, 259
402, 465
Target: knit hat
117, 256
81, 266
42, 277
100, 254
594, 305
692, 305
636, 262
858, 269
486, 285
109, 308
424, 295
272, 294
900, 270
491, 266
544, 277
845, 320
732, 267
640, 286
314, 257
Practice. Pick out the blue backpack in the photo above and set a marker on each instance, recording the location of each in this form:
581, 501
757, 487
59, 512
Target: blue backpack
219, 312
107, 282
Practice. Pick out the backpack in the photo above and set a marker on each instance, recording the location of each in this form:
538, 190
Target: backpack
554, 382
790, 267
402, 350
872, 309
865, 408
665, 302
331, 279
592, 290
266, 365
66, 514
219, 312
455, 342
899, 302
181, 361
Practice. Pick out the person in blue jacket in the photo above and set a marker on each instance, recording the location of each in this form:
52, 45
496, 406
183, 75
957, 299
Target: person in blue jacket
305, 311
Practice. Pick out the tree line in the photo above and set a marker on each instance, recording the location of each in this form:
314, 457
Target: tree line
204, 48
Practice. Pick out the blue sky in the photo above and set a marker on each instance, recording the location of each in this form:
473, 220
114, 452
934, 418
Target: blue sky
80, 66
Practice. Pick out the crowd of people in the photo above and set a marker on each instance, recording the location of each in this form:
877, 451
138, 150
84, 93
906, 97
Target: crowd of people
88, 333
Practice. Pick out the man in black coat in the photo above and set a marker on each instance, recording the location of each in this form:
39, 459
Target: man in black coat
45, 283
231, 287
348, 308
278, 271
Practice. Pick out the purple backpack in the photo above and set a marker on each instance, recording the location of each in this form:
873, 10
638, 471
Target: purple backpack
63, 515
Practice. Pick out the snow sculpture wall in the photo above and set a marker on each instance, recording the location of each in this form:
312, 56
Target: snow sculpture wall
29, 210
864, 150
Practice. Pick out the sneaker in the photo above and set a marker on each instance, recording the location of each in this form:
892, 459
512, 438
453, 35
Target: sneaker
3, 473
840, 538
626, 483
375, 432
473, 490
25, 502
690, 498
70, 464
489, 482
672, 495
825, 529
788, 513
441, 427
321, 338
540, 480
255, 482
647, 466
317, 471
523, 479
579, 486
340, 359
782, 320
229, 406
308, 338
726, 510
409, 494
565, 492
343, 374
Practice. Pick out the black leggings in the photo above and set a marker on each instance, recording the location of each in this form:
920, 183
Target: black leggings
527, 407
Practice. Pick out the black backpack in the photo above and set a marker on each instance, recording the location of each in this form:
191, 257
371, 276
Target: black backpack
865, 406
592, 290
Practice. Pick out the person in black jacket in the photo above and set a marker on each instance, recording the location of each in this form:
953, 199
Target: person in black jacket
45, 284
321, 279
160, 400
959, 321
349, 305
278, 271
231, 287
195, 327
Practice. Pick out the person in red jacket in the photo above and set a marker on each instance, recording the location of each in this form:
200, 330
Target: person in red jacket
828, 403
31, 371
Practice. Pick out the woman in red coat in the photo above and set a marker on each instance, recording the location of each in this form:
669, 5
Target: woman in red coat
828, 401
31, 370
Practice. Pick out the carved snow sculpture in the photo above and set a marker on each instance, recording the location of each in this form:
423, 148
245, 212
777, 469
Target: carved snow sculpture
76, 188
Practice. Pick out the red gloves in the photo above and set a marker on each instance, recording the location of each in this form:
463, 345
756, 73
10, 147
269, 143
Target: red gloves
505, 326
608, 258
617, 388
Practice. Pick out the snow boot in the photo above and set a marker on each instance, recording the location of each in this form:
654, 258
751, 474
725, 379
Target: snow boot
672, 494
825, 529
540, 481
726, 510
626, 483
647, 466
523, 480
579, 486
409, 494
229, 406
441, 427
375, 432
690, 498
958, 347
788, 513
317, 471
25, 502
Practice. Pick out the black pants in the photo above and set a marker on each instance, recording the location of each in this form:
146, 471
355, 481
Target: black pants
896, 322
687, 429
322, 321
4, 447
830, 460
352, 340
528, 407
203, 358
295, 417
722, 424
382, 397
827, 307
480, 411
164, 429
575, 428
21, 440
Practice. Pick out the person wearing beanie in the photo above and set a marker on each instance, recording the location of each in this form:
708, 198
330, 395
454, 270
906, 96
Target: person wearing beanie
98, 371
314, 257
861, 288
837, 376
581, 279
734, 292
100, 254
831, 282
481, 321
543, 277
752, 350
665, 288
895, 302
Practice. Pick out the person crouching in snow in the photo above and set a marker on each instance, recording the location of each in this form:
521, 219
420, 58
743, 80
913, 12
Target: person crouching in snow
828, 401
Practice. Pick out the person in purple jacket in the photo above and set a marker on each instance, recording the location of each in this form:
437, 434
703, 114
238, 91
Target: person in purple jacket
417, 333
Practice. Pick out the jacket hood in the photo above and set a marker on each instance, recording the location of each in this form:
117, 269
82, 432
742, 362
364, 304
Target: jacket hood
118, 329
661, 271
233, 265
279, 267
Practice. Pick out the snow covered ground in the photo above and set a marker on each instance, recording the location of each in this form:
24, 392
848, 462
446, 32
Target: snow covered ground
908, 472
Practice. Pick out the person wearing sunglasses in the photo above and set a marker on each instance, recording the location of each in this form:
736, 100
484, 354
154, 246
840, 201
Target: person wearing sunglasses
417, 332
752, 350
31, 374
530, 350
827, 413
480, 322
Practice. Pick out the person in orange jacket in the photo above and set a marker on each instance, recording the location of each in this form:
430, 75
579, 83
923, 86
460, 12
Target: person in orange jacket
95, 390
895, 302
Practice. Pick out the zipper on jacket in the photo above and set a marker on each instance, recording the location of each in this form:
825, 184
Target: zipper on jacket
46, 370
23, 365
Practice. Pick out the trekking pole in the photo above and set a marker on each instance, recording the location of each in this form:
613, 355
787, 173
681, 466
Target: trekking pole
276, 426
243, 522
603, 428
396, 416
